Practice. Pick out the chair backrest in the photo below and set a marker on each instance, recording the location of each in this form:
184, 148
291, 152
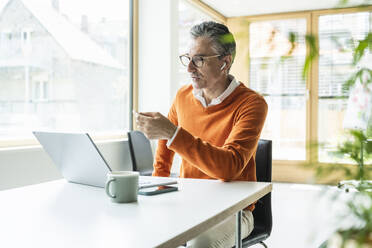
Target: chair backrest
262, 213
141, 153
264, 160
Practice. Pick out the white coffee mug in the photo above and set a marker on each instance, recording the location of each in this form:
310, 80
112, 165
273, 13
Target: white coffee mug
122, 186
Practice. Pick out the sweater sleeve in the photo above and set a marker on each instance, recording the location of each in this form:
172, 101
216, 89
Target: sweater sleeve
164, 156
226, 162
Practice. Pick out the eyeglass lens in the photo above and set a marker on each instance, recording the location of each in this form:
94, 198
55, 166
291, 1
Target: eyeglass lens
196, 60
185, 60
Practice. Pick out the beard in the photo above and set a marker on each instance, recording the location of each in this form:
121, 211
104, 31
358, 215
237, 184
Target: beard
197, 82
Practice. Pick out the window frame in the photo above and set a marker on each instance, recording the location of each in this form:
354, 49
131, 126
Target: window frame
274, 17
315, 71
242, 71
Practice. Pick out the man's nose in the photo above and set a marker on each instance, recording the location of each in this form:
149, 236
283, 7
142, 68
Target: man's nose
191, 67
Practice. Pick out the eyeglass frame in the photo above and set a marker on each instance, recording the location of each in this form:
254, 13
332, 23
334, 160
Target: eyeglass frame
191, 59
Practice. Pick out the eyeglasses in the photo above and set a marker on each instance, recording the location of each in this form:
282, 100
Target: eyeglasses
197, 60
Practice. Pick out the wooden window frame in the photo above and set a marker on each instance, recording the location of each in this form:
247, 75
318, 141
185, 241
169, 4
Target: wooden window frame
241, 70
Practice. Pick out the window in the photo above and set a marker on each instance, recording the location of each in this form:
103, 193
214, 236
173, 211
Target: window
26, 42
338, 34
40, 92
8, 35
279, 78
75, 74
5, 38
280, 81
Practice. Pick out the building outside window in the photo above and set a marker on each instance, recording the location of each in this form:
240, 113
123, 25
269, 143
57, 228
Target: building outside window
63, 66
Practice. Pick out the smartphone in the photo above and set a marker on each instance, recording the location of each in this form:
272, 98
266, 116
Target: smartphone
157, 190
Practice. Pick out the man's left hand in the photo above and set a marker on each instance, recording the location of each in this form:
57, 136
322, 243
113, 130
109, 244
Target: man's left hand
154, 125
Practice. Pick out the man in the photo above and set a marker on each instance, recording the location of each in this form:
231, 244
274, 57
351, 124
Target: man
213, 124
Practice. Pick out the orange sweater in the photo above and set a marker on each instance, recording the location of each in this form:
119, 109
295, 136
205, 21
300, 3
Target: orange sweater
217, 142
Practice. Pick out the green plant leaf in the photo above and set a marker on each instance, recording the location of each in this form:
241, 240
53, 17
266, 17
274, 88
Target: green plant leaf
292, 37
227, 38
362, 46
313, 53
358, 135
364, 75
368, 147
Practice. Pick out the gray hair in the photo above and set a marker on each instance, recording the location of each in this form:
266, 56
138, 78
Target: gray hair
223, 41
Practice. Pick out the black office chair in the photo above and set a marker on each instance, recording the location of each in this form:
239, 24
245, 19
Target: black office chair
262, 212
140, 153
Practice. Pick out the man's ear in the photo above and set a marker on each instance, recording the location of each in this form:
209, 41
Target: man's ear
228, 60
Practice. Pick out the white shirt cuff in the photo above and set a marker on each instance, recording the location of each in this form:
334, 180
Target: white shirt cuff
174, 135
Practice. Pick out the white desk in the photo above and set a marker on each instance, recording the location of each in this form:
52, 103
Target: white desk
61, 214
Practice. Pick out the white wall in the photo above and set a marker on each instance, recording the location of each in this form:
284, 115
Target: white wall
20, 167
158, 58
158, 54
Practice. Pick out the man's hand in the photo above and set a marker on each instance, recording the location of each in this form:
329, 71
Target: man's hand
154, 125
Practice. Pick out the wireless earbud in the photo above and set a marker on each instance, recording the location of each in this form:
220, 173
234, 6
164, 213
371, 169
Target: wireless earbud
223, 66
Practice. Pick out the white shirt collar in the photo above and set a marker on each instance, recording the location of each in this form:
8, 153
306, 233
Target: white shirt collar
198, 93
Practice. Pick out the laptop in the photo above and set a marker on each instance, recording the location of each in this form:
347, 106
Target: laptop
79, 160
